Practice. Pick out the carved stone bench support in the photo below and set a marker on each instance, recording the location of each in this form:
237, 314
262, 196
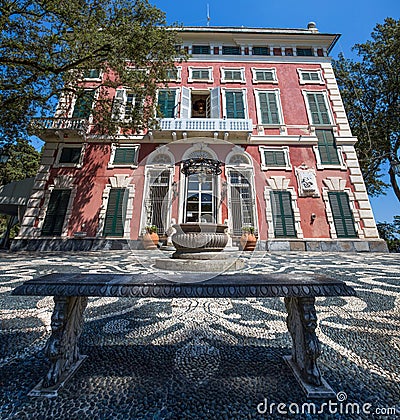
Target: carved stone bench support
62, 347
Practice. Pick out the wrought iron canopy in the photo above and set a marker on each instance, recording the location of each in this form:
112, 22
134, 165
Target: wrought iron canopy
203, 166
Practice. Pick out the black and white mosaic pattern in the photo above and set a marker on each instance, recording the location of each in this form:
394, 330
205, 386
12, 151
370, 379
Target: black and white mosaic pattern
202, 358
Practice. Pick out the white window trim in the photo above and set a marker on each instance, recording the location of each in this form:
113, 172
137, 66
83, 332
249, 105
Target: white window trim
73, 102
178, 75
271, 69
242, 73
342, 163
328, 106
114, 147
62, 146
284, 149
246, 110
278, 101
94, 79
210, 74
310, 82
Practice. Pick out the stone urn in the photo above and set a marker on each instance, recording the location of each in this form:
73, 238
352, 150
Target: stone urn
194, 240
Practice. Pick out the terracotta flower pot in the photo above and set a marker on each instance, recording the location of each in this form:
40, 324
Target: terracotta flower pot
248, 241
150, 240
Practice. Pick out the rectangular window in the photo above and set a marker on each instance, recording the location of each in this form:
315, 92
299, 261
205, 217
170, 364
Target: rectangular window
166, 104
342, 215
234, 104
232, 75
268, 108
172, 74
56, 211
260, 51
327, 148
310, 76
70, 155
200, 49
274, 158
125, 156
114, 220
91, 74
318, 108
264, 75
83, 104
282, 214
200, 74
228, 50
305, 52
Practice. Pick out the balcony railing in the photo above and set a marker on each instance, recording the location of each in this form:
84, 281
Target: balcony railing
206, 124
79, 125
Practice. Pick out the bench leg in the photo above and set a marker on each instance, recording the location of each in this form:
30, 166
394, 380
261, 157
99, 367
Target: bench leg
62, 346
302, 322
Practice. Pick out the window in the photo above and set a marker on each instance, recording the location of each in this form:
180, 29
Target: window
305, 52
84, 104
275, 158
310, 76
234, 104
200, 74
318, 108
166, 104
268, 107
327, 148
342, 215
56, 211
125, 155
116, 207
260, 51
125, 105
282, 214
228, 50
232, 75
91, 74
264, 75
200, 49
201, 200
70, 155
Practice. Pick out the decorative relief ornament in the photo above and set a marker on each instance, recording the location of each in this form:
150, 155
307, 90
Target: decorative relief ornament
307, 182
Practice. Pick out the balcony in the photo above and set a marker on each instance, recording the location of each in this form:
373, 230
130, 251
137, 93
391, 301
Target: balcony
61, 127
207, 126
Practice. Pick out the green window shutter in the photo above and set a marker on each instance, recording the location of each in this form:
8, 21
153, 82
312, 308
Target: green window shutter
260, 51
201, 49
166, 103
200, 74
282, 214
274, 158
56, 211
327, 147
114, 221
70, 155
83, 105
231, 51
269, 108
234, 105
318, 108
305, 52
125, 155
342, 215
264, 76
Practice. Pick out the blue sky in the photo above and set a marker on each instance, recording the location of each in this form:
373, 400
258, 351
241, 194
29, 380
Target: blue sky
353, 19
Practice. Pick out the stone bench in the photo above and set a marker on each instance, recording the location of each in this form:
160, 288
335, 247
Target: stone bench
71, 292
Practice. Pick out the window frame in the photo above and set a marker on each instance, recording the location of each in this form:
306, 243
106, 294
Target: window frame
97, 79
201, 46
324, 93
341, 165
61, 146
74, 101
242, 74
261, 46
284, 149
178, 77
114, 147
231, 46
278, 103
342, 217
320, 80
177, 98
210, 79
245, 102
305, 49
254, 71
284, 216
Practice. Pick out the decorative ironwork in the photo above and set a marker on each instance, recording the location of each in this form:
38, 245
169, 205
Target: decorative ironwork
201, 166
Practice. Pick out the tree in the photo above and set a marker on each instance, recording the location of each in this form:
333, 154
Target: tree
370, 90
47, 46
390, 232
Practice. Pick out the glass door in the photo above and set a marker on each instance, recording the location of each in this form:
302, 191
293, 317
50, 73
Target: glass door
200, 199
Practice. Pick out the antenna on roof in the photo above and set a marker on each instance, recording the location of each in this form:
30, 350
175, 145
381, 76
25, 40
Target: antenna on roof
208, 15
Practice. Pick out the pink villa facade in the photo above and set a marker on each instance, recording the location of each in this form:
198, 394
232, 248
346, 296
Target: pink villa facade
262, 103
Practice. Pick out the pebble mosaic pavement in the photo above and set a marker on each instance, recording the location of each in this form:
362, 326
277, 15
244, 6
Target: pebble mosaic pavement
201, 359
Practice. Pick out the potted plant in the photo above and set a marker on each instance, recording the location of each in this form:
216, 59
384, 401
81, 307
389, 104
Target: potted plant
248, 240
150, 238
